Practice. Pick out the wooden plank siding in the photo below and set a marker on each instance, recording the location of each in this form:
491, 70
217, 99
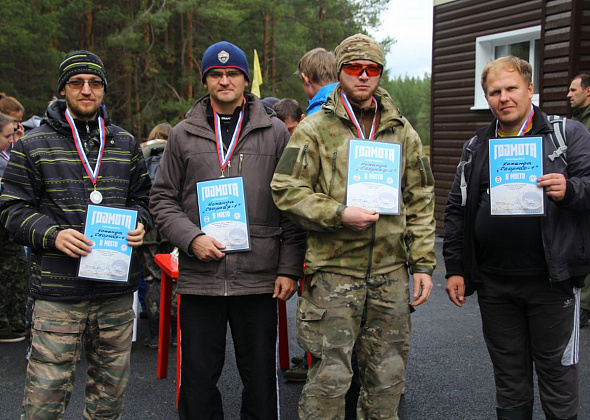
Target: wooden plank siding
565, 52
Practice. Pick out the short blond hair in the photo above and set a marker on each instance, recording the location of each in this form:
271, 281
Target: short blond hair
319, 66
508, 62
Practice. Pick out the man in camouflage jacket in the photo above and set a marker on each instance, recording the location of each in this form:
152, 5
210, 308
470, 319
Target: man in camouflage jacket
357, 291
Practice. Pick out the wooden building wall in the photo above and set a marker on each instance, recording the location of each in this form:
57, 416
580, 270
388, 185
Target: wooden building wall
565, 30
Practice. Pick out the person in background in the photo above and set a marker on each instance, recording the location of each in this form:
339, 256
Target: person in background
155, 243
11, 107
317, 72
579, 99
356, 291
528, 291
289, 112
228, 134
13, 264
74, 159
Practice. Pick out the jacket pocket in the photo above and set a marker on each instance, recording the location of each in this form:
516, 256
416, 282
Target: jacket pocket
263, 257
310, 328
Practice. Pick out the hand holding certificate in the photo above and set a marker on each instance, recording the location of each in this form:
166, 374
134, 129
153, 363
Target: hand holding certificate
373, 179
108, 229
516, 164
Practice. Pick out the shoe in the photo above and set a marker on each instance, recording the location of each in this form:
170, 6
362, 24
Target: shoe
297, 360
11, 338
151, 342
584, 317
297, 373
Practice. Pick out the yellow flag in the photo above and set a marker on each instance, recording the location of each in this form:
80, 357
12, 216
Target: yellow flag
256, 76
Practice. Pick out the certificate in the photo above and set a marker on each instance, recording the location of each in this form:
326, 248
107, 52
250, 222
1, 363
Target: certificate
223, 212
110, 259
515, 166
374, 176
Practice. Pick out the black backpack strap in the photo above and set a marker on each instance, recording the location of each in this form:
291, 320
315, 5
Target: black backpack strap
559, 138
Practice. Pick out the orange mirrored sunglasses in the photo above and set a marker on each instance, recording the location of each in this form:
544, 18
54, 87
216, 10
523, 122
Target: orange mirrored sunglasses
356, 69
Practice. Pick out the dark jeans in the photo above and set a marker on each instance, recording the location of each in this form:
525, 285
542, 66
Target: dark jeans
253, 323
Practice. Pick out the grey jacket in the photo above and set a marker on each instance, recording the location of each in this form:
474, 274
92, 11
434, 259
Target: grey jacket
566, 227
277, 245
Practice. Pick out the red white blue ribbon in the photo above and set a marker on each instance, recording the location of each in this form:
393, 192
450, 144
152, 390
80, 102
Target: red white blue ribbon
224, 157
352, 117
4, 154
525, 125
92, 173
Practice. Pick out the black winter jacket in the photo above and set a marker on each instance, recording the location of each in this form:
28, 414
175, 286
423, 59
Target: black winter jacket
566, 226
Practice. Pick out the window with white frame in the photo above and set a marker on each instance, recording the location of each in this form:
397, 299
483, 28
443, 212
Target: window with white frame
523, 43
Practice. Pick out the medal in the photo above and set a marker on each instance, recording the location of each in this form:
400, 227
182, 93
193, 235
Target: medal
95, 197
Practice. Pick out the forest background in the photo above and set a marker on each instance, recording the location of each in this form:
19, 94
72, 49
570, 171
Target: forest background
152, 50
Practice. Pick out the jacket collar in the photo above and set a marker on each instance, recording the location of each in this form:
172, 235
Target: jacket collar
55, 117
390, 114
540, 126
196, 118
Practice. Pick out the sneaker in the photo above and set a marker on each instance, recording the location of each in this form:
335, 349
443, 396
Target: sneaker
584, 317
297, 360
151, 343
11, 338
297, 373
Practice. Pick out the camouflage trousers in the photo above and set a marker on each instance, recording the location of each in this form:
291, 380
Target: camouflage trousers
337, 313
60, 331
15, 285
151, 274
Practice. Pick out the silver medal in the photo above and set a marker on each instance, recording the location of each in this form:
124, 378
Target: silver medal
96, 197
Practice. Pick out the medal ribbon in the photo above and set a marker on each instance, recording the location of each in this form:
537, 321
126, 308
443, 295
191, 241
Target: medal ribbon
225, 157
92, 173
5, 154
525, 125
352, 117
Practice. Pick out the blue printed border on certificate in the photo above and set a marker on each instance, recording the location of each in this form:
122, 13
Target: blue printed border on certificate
374, 176
223, 212
516, 163
110, 259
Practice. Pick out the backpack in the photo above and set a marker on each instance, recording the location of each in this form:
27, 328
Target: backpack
152, 152
557, 135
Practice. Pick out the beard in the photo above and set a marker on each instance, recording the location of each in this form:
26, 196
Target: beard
82, 113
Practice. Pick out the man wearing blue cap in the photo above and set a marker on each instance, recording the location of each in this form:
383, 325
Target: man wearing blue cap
227, 135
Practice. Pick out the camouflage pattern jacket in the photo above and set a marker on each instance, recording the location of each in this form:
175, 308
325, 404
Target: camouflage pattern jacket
309, 185
46, 190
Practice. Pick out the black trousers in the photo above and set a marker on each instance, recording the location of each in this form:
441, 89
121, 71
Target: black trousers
203, 323
528, 321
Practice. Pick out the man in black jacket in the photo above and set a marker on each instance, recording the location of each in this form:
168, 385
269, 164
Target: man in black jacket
526, 270
74, 159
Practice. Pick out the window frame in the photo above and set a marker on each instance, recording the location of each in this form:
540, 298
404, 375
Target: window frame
485, 50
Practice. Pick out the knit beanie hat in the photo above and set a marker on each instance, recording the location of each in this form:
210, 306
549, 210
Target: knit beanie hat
359, 47
224, 55
78, 62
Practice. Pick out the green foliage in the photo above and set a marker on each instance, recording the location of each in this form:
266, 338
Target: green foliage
412, 96
152, 49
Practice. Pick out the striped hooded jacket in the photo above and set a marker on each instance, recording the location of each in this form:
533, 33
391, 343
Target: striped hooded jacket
46, 189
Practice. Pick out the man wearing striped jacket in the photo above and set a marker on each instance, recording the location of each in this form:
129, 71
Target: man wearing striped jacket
74, 159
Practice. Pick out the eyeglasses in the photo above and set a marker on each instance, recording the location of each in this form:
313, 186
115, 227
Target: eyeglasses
356, 69
232, 74
79, 84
